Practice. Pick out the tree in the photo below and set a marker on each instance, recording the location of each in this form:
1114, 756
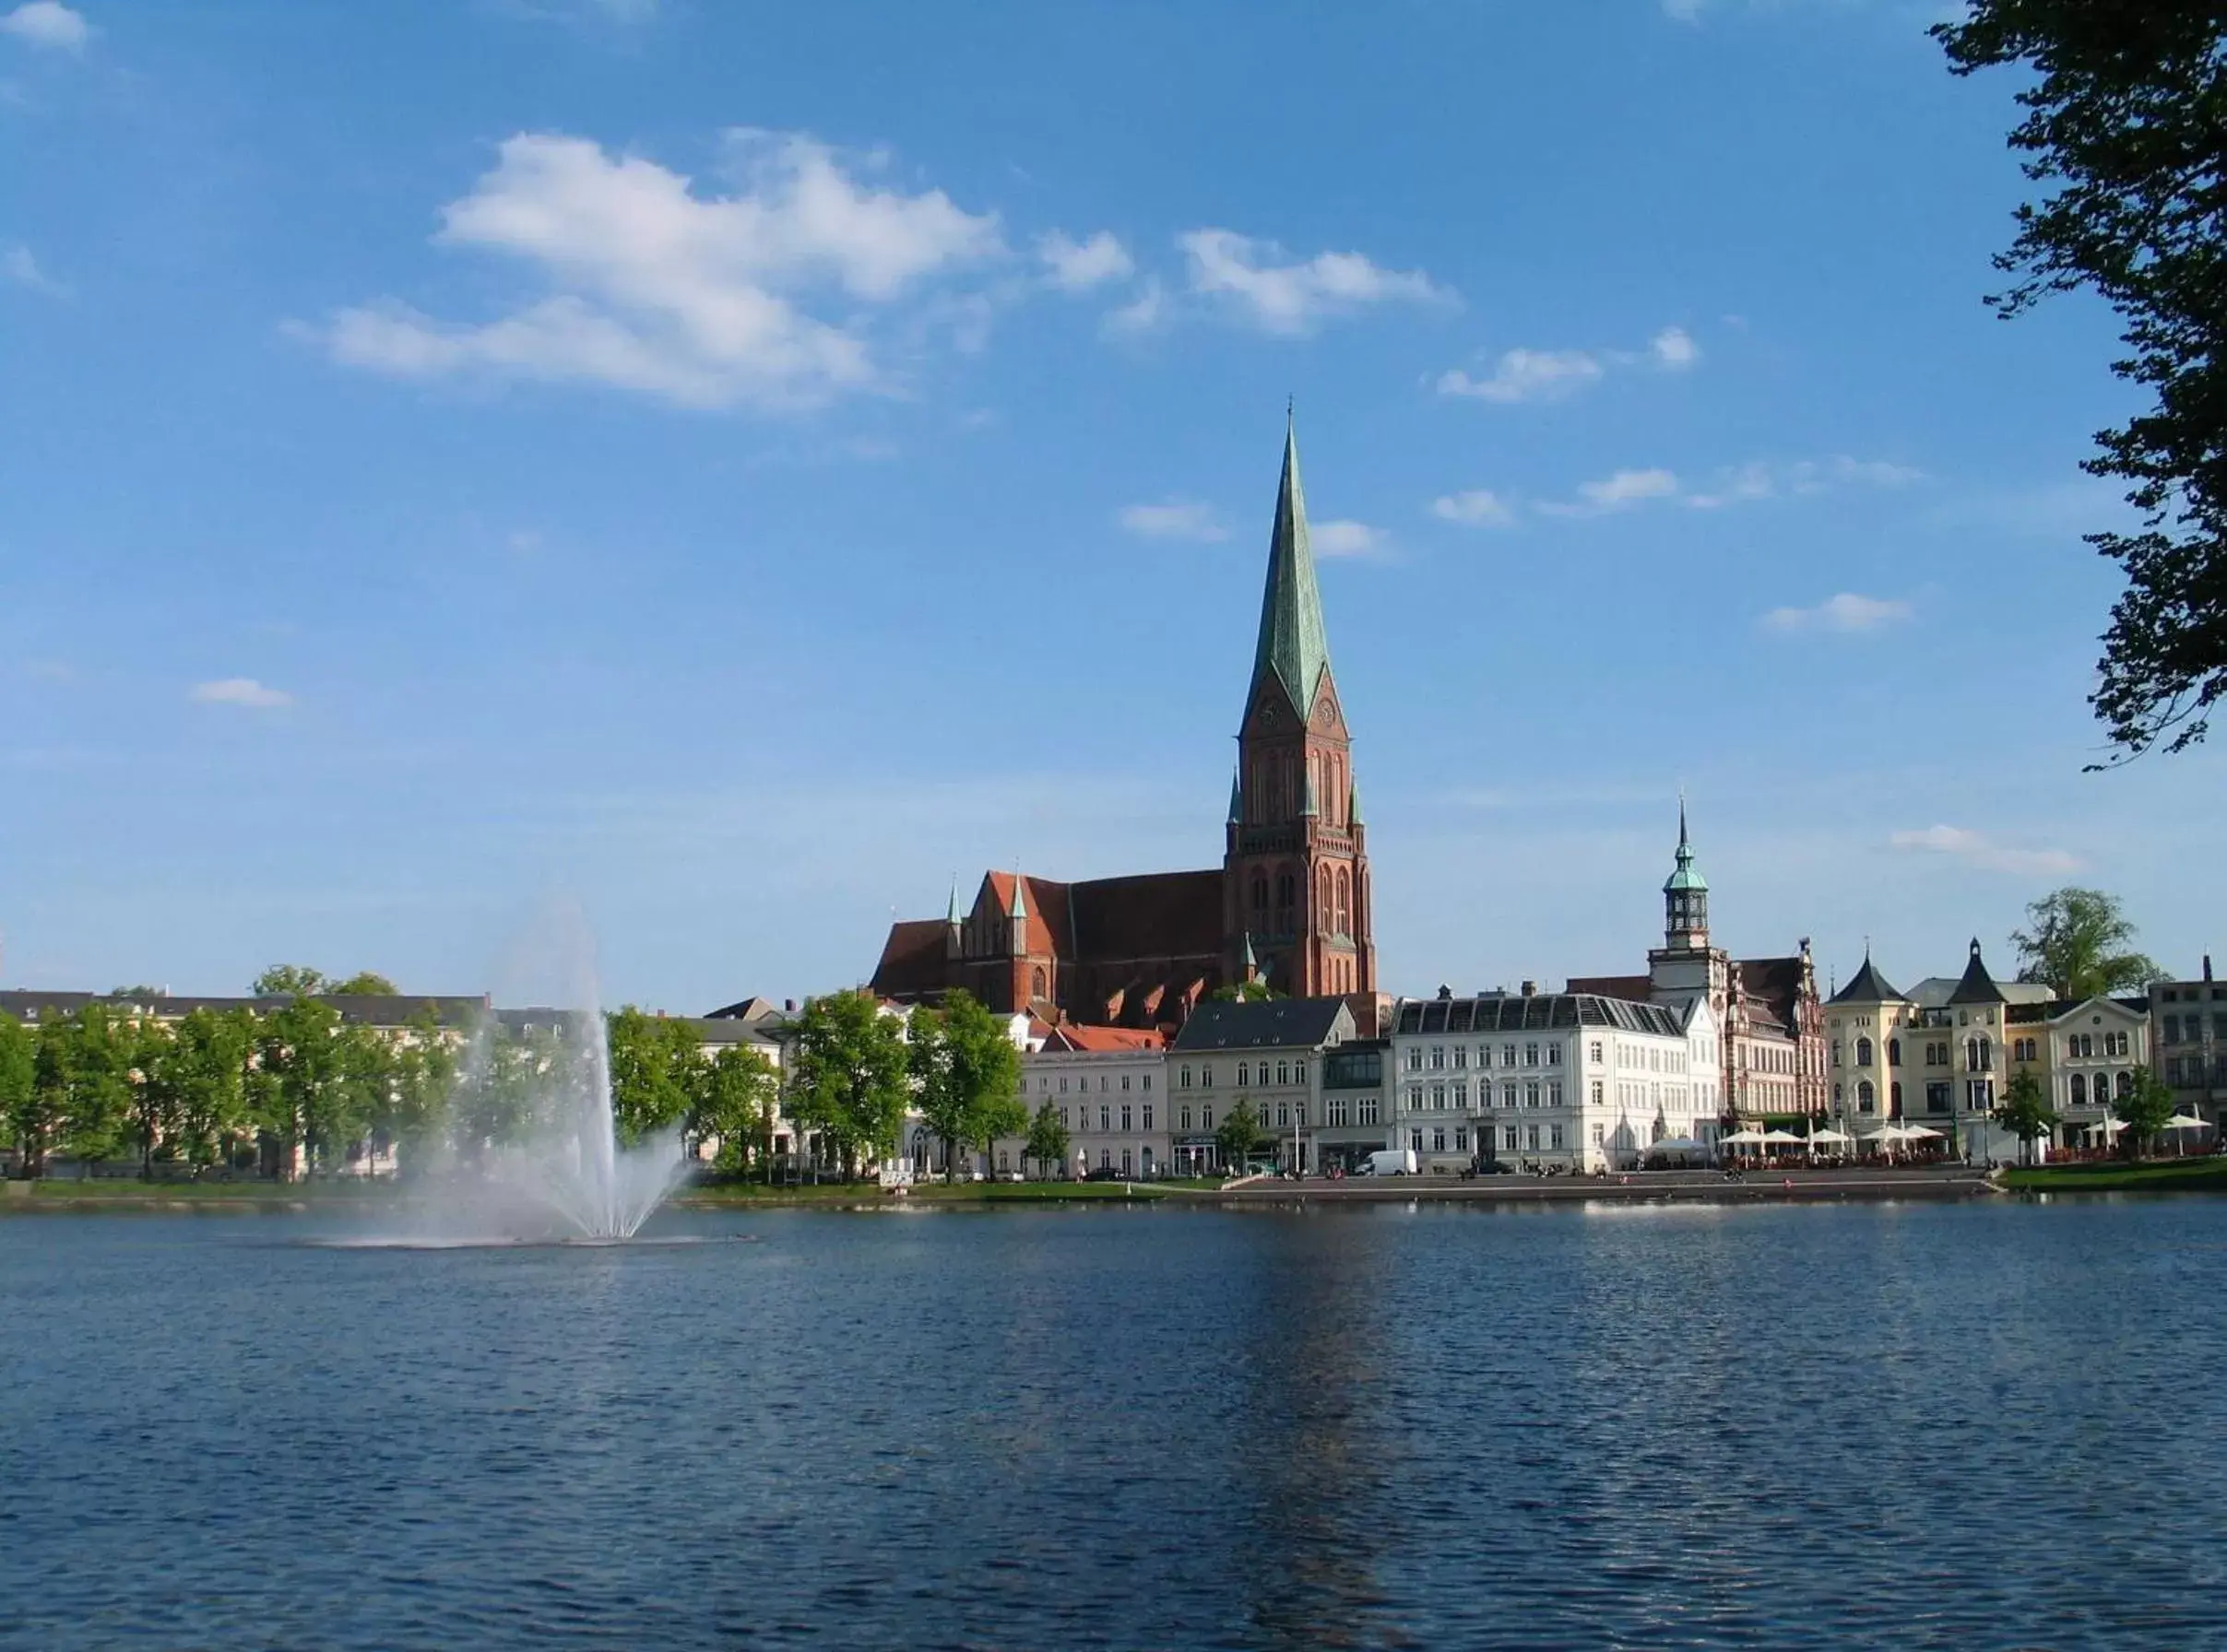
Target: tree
848, 1077
657, 1072
1048, 1138
197, 1084
2144, 1109
2080, 946
1255, 991
289, 980
19, 1070
937, 1095
2025, 1112
986, 1066
301, 1089
2124, 121
98, 1054
364, 983
1238, 1134
734, 1105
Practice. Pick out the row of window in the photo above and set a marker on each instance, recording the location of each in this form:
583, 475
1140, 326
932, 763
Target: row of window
1438, 1055
1249, 1072
2191, 1069
1979, 1096
2190, 1029
1438, 1098
1979, 1052
1082, 1082
1106, 1112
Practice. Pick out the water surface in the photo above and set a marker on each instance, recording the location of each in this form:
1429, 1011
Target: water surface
1962, 1425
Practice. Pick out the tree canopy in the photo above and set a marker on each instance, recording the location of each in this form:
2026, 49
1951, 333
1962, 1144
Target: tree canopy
1048, 1141
2079, 944
2144, 1109
849, 1075
2124, 123
2024, 1109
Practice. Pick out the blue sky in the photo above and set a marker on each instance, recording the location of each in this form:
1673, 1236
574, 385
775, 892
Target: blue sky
724, 469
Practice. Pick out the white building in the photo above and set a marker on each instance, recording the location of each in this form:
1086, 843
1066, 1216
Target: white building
1574, 1080
1108, 1086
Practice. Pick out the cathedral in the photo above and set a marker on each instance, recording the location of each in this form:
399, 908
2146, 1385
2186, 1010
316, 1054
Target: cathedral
1289, 906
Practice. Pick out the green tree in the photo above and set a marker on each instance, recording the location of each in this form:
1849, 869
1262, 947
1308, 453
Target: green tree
19, 1072
987, 1067
289, 980
657, 1072
734, 1105
1048, 1140
364, 983
1238, 1135
2144, 1109
2124, 124
849, 1077
2025, 1112
96, 1058
2081, 945
424, 1077
936, 1094
302, 1088
1249, 992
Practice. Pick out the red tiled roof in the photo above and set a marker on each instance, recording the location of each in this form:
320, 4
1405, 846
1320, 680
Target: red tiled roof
1073, 1035
1155, 915
912, 959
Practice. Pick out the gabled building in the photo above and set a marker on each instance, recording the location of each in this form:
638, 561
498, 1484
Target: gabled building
1290, 904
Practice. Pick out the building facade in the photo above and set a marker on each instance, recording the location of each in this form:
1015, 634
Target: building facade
1290, 904
1568, 1081
2188, 1038
1268, 1054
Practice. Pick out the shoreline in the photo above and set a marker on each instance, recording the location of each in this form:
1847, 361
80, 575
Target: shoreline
122, 1196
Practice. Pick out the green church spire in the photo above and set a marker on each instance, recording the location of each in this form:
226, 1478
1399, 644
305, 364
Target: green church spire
1293, 644
1237, 802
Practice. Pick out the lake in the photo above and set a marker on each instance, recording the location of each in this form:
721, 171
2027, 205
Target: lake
1969, 1424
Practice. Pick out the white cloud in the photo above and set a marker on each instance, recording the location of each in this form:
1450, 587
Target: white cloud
1761, 478
241, 690
48, 23
1978, 850
1479, 507
656, 287
1348, 539
1075, 266
1177, 519
1142, 313
1279, 295
1684, 11
1674, 349
1526, 375
1617, 492
1845, 612
17, 264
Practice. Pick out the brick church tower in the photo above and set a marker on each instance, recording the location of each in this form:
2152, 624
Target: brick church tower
1295, 874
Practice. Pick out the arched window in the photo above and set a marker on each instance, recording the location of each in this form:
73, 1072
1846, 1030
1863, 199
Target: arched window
2125, 1086
1324, 906
1894, 1052
1863, 1052
1894, 1099
1260, 897
1344, 902
1287, 892
1987, 1054
1244, 1075
2079, 1089
1035, 983
1866, 1098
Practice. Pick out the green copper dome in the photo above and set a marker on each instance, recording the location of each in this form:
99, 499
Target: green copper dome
1688, 876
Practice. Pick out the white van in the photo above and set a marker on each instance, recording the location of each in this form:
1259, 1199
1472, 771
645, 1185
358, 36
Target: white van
1392, 1162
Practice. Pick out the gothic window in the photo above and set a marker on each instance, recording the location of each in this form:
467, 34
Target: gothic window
1863, 1052
1323, 908
1036, 983
1259, 899
1865, 1097
1344, 902
1894, 1052
1287, 892
2125, 1086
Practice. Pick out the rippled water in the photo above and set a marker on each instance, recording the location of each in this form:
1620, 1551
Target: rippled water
1925, 1425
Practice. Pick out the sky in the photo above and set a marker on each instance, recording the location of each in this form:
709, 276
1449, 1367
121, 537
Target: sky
719, 471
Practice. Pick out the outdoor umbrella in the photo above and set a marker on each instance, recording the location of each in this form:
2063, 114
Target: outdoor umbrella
1831, 1137
1748, 1137
1920, 1133
1782, 1136
2183, 1121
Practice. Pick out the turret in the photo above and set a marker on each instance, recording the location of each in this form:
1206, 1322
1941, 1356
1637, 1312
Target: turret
1686, 897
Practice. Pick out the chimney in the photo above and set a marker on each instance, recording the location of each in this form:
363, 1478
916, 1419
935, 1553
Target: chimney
1531, 989
788, 1006
2206, 967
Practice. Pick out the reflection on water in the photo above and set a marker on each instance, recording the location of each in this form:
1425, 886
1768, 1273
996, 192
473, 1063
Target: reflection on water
1423, 1426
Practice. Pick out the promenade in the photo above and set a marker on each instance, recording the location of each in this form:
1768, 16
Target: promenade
1660, 1187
